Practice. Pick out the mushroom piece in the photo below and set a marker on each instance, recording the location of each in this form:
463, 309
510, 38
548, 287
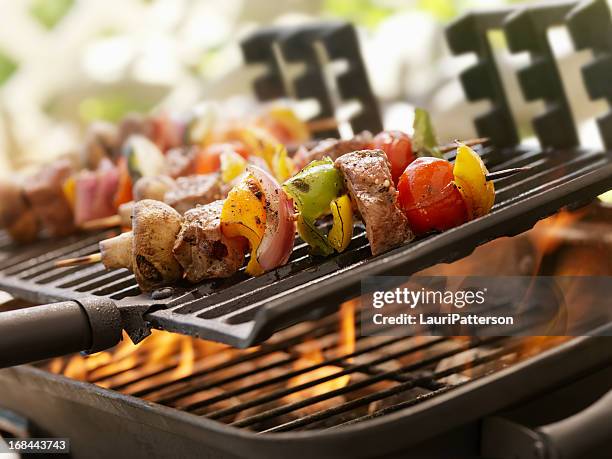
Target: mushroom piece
147, 249
153, 187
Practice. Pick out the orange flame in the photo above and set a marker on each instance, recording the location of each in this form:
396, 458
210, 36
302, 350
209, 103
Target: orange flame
313, 355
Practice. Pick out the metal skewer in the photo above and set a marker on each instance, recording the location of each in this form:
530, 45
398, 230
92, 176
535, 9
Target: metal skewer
468, 142
97, 257
505, 173
86, 260
102, 223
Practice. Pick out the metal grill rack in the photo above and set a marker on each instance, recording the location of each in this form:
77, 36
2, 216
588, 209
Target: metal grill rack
242, 311
266, 392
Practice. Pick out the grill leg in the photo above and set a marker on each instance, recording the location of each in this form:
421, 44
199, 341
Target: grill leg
41, 332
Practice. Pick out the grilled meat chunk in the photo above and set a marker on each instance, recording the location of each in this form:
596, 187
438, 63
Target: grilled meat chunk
367, 175
180, 161
195, 189
202, 249
100, 142
333, 148
44, 191
16, 215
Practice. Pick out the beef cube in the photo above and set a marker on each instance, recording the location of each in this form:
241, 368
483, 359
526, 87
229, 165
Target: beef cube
195, 189
180, 161
202, 249
46, 195
333, 148
367, 175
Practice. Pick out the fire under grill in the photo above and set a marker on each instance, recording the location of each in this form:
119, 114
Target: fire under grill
303, 379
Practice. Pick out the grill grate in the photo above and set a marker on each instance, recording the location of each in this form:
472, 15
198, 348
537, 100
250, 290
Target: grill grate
277, 388
241, 311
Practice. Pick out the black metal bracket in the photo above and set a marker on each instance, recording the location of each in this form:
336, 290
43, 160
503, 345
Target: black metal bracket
527, 30
258, 48
590, 25
276, 47
482, 80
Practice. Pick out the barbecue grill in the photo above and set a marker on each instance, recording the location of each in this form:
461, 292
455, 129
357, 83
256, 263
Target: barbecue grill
422, 395
243, 311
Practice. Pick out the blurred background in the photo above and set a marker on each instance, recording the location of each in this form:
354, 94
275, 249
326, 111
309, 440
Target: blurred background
66, 63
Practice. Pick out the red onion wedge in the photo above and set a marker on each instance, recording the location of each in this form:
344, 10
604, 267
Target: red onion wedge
279, 236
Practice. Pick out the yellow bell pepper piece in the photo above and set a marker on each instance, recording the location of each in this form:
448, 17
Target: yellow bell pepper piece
232, 165
244, 215
342, 229
260, 143
69, 189
282, 165
470, 177
286, 118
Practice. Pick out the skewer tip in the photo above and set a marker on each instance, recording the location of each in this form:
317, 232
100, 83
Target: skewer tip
86, 260
505, 173
102, 223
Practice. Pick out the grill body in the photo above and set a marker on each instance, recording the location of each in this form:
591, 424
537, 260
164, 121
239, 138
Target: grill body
103, 423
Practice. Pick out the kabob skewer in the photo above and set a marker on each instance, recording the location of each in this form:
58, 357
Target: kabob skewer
224, 255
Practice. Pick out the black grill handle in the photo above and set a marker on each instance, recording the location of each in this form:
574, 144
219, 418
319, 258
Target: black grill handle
571, 438
40, 332
576, 436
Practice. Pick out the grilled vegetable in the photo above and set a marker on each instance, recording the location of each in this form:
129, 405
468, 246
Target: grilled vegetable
429, 196
95, 192
282, 165
147, 249
470, 177
277, 242
342, 229
282, 122
124, 187
397, 146
313, 189
424, 140
152, 187
244, 215
144, 159
232, 165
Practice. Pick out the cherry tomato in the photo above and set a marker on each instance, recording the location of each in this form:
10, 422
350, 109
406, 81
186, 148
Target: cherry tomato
397, 146
429, 197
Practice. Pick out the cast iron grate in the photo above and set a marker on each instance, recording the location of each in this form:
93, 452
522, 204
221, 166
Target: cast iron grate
241, 311
278, 388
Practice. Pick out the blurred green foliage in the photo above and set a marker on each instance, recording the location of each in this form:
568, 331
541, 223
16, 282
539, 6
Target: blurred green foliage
368, 13
441, 9
50, 12
7, 67
111, 107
